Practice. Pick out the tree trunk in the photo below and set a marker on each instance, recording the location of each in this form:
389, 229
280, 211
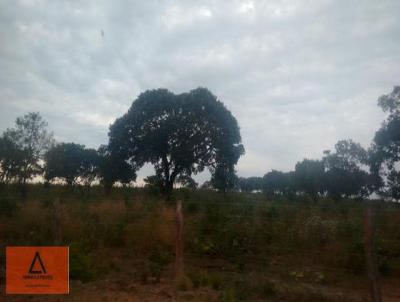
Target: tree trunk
179, 270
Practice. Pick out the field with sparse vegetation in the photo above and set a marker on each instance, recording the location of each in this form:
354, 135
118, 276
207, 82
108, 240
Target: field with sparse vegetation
237, 246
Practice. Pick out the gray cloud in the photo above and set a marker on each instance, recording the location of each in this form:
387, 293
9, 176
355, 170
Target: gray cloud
298, 75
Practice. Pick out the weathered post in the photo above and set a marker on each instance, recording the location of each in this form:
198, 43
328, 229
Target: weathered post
56, 215
370, 255
179, 270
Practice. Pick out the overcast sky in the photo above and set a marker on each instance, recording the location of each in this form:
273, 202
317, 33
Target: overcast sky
297, 75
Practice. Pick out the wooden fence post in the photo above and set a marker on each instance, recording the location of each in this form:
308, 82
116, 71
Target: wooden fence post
370, 255
179, 271
56, 216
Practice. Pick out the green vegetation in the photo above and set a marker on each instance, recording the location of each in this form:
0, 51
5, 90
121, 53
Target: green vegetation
280, 236
238, 246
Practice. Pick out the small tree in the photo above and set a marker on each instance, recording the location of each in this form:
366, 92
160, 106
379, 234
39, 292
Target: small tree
64, 161
23, 147
309, 177
346, 171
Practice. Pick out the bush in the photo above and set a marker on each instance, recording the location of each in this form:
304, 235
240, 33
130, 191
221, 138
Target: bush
80, 264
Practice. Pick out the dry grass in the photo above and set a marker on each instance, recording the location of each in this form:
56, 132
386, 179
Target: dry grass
238, 247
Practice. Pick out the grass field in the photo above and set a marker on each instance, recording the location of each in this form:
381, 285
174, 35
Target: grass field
238, 247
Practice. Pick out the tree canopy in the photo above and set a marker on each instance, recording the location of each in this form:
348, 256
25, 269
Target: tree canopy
309, 177
385, 149
180, 135
69, 162
112, 168
22, 148
347, 170
277, 182
183, 134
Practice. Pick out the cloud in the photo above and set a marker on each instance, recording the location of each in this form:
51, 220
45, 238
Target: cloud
298, 76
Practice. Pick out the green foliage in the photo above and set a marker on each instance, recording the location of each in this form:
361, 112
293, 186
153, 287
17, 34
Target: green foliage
234, 242
113, 168
180, 135
309, 177
65, 161
154, 184
81, 266
385, 150
70, 162
250, 184
223, 236
277, 183
345, 176
22, 148
155, 264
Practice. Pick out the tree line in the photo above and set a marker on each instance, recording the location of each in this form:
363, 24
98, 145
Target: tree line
349, 171
342, 173
182, 135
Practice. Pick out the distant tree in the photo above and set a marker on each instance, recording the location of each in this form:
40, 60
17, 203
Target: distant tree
277, 183
113, 168
244, 185
23, 147
224, 178
309, 177
11, 160
250, 184
89, 170
65, 161
346, 171
179, 135
385, 149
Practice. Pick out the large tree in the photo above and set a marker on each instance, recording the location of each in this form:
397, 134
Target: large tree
22, 148
385, 149
346, 171
180, 135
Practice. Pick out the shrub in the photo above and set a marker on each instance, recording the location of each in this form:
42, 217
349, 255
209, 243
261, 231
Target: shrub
80, 264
